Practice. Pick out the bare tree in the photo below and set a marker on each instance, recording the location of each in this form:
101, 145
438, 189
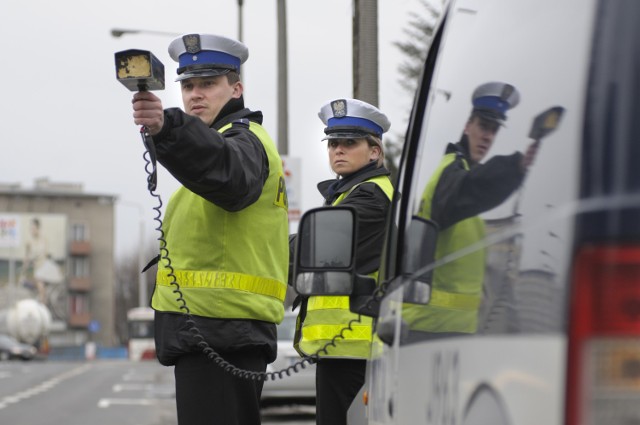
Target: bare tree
420, 32
127, 286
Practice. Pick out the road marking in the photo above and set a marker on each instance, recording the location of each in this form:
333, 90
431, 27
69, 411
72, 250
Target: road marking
131, 387
108, 402
42, 387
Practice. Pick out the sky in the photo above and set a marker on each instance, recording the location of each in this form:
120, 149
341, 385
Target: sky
65, 117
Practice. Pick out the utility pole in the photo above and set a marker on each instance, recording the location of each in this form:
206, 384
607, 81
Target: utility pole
365, 51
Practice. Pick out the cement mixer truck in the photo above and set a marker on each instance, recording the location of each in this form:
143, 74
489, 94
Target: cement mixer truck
28, 321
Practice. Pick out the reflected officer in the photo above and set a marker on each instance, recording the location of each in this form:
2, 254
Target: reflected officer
461, 188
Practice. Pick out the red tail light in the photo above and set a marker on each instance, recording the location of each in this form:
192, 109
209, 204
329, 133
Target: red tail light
603, 385
148, 355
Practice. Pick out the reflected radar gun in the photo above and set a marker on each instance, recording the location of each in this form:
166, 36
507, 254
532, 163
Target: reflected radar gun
139, 70
545, 123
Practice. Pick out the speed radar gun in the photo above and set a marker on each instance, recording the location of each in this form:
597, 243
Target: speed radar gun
140, 70
545, 123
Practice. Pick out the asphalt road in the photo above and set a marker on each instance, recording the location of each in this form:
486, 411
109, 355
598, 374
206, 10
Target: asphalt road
102, 392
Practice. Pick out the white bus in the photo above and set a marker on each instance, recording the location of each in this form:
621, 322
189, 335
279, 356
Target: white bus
141, 343
547, 284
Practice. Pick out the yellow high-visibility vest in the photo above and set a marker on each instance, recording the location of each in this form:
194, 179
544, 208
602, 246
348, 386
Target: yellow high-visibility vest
457, 286
229, 265
328, 316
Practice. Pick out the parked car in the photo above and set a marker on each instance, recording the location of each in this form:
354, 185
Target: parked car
298, 388
507, 307
11, 348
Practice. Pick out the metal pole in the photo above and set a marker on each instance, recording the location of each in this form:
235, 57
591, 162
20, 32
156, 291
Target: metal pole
283, 91
143, 300
240, 19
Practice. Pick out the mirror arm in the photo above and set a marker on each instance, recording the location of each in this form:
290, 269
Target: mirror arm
361, 300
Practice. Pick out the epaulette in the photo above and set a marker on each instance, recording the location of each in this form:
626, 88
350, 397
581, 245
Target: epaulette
243, 122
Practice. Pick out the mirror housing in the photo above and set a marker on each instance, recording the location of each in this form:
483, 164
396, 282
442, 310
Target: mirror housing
325, 252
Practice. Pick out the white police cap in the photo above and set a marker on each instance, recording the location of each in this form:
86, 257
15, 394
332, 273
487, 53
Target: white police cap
207, 55
492, 100
352, 118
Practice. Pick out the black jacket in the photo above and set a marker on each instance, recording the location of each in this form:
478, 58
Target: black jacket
230, 171
371, 205
462, 193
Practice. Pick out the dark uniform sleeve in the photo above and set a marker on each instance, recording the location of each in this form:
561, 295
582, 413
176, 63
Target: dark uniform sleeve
227, 169
371, 205
462, 193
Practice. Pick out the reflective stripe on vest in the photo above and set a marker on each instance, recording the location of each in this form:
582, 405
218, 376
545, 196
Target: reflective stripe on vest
457, 285
230, 265
328, 316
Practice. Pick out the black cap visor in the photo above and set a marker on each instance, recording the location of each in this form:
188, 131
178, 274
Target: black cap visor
490, 115
348, 132
195, 71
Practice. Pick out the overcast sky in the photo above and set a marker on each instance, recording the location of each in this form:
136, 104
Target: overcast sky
64, 115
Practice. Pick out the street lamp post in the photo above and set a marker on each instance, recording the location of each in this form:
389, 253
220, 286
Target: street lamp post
119, 32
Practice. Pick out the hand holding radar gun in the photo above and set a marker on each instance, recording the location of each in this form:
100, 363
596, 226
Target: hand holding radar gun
140, 70
543, 124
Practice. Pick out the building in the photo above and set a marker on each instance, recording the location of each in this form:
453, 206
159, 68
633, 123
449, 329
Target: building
57, 245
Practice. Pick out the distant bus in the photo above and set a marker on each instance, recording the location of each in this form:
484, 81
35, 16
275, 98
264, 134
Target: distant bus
141, 343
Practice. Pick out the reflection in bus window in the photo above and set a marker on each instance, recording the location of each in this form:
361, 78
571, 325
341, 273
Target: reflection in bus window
493, 187
461, 188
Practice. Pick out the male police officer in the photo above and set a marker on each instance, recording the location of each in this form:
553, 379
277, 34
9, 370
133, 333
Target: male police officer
226, 232
460, 189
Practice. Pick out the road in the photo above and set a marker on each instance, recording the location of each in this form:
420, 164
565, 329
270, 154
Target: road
102, 392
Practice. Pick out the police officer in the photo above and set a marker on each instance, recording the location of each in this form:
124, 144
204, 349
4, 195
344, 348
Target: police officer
226, 233
354, 141
460, 189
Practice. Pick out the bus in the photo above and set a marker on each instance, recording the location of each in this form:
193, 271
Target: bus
141, 344
541, 290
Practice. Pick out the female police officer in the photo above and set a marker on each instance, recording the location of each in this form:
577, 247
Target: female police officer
354, 133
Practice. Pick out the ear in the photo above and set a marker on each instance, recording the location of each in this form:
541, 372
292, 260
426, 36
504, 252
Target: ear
467, 125
375, 153
238, 89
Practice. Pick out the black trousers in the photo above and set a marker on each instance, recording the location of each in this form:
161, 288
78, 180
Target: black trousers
337, 383
207, 395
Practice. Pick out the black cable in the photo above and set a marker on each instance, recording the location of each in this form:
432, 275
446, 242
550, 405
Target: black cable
149, 157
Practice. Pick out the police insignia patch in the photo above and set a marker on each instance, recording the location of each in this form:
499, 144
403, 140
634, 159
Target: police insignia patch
192, 43
339, 108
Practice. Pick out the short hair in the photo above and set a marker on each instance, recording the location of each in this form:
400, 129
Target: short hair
233, 77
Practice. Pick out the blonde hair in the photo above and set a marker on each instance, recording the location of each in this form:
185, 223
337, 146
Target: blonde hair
376, 141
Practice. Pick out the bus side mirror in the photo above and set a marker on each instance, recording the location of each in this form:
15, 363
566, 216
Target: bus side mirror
325, 252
